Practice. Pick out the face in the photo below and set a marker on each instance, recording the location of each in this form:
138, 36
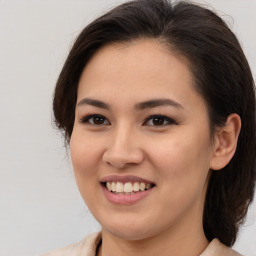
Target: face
141, 146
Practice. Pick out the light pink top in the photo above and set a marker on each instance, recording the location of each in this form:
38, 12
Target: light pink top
88, 246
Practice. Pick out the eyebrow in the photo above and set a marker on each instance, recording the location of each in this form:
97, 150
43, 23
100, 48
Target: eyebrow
139, 106
156, 103
93, 102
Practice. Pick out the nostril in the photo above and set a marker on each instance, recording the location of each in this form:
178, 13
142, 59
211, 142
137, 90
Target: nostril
118, 163
121, 156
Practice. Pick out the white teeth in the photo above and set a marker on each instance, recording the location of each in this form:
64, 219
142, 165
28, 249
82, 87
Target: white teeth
136, 186
109, 185
142, 186
148, 186
113, 186
127, 188
119, 187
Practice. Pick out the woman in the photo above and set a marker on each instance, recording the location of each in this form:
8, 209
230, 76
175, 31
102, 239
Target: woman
157, 104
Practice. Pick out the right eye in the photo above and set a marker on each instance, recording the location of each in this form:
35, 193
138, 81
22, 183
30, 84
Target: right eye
95, 120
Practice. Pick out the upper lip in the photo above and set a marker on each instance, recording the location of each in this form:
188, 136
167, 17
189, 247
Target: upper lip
124, 179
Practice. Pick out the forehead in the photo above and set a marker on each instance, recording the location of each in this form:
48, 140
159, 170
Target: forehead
137, 69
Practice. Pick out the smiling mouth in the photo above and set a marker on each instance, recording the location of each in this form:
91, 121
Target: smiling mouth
127, 188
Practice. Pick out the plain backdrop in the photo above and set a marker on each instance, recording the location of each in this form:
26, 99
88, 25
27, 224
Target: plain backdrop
40, 206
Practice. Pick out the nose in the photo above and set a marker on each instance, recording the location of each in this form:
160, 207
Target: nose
123, 149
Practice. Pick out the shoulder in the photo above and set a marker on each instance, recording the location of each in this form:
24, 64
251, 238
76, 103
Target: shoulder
216, 248
86, 247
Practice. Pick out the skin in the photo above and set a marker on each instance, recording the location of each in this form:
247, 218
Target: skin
176, 156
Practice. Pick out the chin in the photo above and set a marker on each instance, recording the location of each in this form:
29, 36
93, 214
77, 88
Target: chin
129, 230
131, 234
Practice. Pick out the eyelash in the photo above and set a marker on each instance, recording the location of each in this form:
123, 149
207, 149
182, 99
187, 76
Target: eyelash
164, 120
87, 118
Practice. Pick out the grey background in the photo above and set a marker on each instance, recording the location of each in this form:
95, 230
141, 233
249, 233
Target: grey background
40, 207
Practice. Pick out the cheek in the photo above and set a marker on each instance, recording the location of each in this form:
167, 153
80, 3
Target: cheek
183, 168
85, 153
183, 158
85, 156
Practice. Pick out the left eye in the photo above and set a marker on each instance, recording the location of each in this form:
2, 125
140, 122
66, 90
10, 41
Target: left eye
159, 120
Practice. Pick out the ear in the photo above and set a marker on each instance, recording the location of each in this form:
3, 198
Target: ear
225, 142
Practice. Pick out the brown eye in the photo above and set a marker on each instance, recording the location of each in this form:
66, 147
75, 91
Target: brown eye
159, 120
95, 120
98, 120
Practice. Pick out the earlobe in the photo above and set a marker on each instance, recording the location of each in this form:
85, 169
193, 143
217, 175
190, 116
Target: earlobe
225, 142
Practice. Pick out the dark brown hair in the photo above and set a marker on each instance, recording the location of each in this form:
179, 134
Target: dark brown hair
222, 76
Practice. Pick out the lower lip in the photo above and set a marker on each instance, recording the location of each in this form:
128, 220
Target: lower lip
126, 199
